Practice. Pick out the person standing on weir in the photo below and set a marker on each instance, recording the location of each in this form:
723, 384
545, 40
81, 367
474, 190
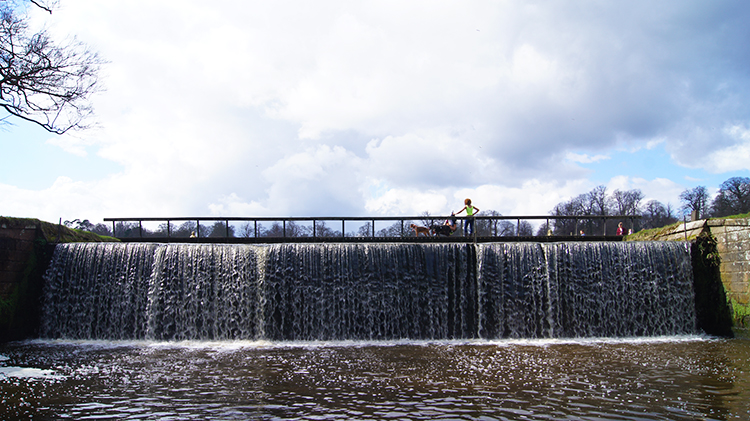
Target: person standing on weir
470, 212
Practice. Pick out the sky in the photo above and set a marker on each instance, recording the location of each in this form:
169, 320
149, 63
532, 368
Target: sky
387, 108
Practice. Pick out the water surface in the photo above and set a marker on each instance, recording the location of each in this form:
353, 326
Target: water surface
666, 378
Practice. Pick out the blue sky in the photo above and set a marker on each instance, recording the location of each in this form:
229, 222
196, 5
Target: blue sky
35, 163
359, 108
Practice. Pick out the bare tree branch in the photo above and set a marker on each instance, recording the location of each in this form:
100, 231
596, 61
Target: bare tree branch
47, 5
41, 81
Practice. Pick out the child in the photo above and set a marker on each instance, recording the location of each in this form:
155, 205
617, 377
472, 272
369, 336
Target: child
470, 211
620, 229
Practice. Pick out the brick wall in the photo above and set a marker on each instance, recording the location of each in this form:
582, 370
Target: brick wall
16, 245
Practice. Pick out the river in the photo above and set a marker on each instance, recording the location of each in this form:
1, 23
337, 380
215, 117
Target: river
657, 378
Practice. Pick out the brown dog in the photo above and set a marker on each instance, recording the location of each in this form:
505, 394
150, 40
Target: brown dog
421, 230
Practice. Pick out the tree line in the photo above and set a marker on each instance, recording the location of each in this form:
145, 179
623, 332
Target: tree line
733, 198
220, 229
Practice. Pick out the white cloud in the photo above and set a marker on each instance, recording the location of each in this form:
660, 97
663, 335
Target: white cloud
585, 158
735, 157
70, 144
661, 189
408, 202
427, 159
321, 180
332, 108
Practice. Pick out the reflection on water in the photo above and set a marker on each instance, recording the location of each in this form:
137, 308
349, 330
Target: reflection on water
682, 378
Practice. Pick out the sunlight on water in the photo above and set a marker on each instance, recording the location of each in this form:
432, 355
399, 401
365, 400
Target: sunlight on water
661, 378
155, 331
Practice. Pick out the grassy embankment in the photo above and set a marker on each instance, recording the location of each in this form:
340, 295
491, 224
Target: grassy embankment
650, 234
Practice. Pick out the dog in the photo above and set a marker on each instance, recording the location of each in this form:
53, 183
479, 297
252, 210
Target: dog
421, 230
441, 230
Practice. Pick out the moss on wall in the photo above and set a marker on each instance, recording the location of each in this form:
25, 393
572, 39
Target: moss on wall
711, 305
740, 314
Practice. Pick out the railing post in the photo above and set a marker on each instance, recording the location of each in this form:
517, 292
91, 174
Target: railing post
684, 226
585, 222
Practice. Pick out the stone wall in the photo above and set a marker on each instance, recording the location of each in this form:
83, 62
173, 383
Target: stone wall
733, 244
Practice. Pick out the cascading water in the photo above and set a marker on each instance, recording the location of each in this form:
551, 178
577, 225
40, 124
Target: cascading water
367, 291
553, 290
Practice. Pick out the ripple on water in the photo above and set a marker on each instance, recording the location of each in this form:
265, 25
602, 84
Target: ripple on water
628, 379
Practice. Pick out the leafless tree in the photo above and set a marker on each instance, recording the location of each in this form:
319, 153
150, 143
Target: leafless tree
427, 220
41, 81
627, 202
733, 197
525, 229
397, 229
695, 199
491, 227
597, 199
247, 230
656, 215
365, 230
221, 229
576, 206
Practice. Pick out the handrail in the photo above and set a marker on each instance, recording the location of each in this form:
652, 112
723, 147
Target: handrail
371, 219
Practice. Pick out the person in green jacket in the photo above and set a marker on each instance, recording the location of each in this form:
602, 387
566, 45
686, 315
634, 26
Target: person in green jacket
470, 211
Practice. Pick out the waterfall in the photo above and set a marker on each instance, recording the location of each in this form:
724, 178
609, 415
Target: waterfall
367, 291
552, 290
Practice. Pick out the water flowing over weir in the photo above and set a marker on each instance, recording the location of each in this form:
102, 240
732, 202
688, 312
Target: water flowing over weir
367, 291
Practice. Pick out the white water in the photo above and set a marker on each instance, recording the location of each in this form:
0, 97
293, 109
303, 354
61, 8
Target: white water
656, 378
362, 292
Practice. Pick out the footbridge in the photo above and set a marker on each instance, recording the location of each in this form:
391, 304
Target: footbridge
333, 229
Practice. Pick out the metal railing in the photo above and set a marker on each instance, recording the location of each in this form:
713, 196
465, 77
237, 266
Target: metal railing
287, 228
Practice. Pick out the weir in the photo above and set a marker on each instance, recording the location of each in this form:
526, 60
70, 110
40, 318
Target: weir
372, 291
